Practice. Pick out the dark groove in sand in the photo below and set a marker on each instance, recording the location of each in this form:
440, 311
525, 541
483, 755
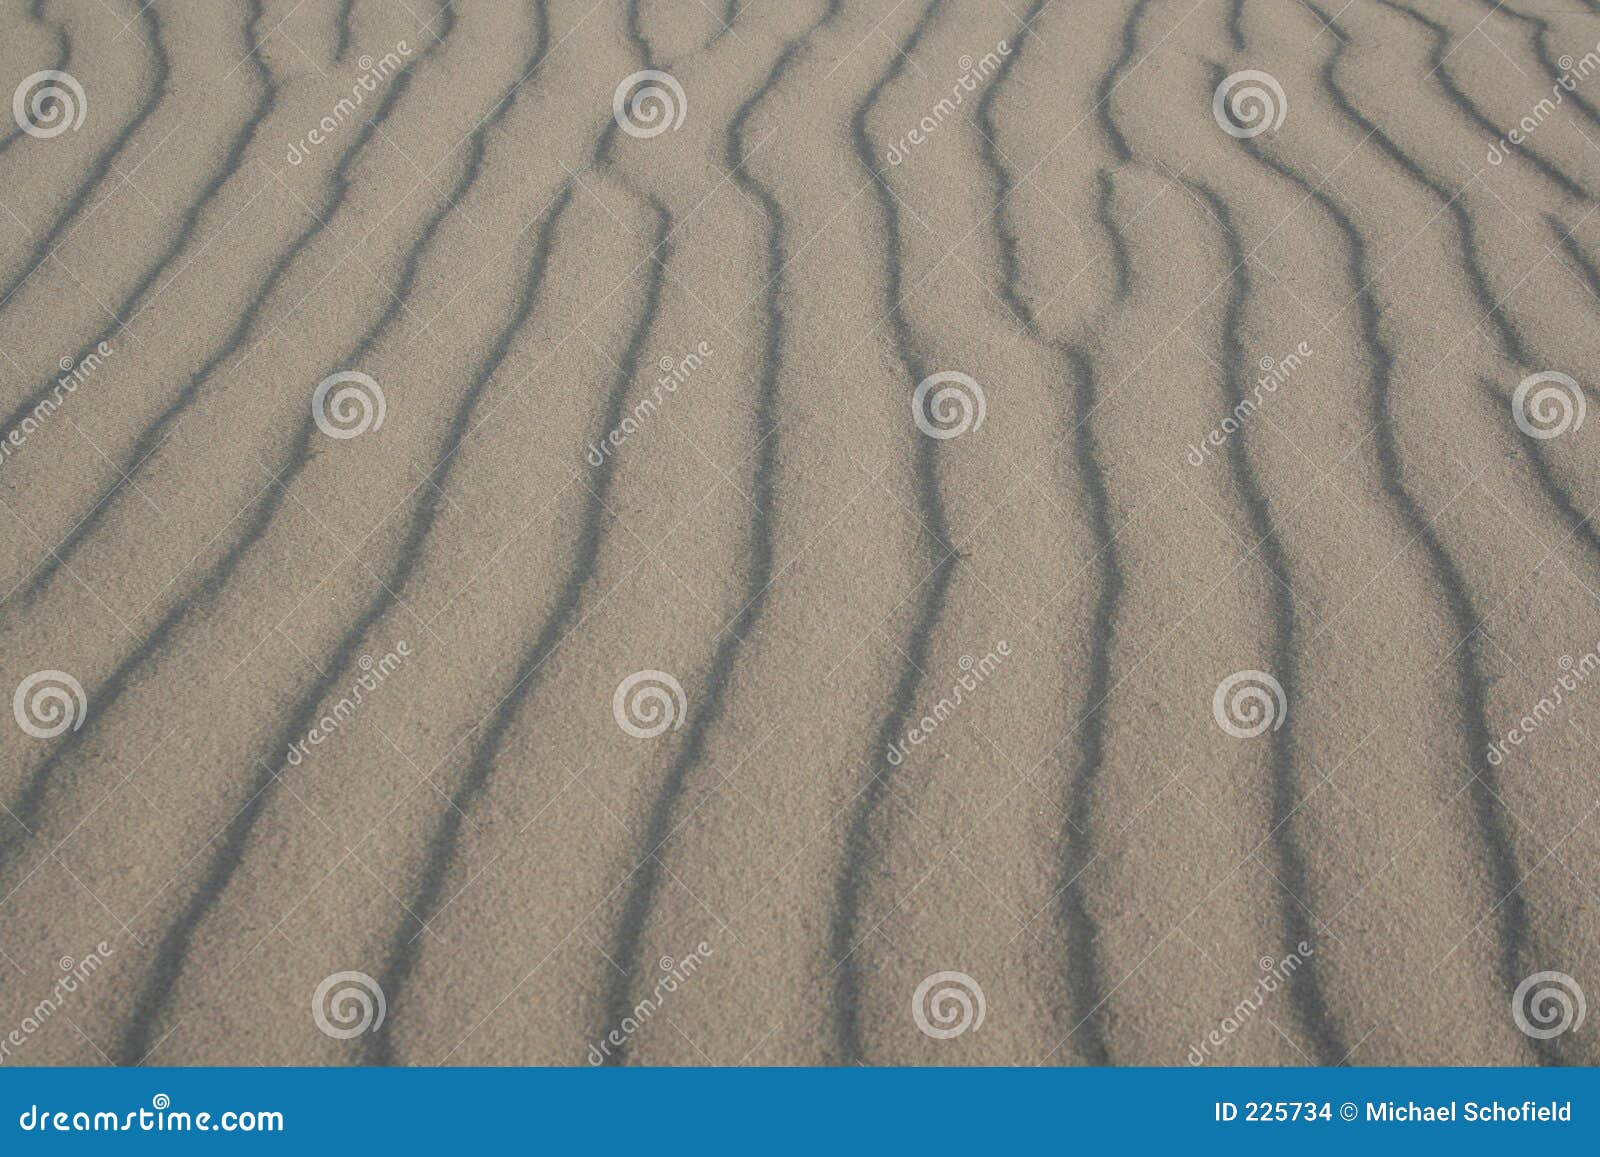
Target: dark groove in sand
44, 777
1005, 233
1119, 244
402, 954
1514, 929
1112, 78
1557, 493
231, 163
1541, 45
230, 855
406, 948
45, 246
1307, 991
1579, 521
1512, 345
1438, 58
169, 979
155, 432
860, 850
730, 17
1236, 24
1086, 983
644, 883
341, 46
1510, 340
1085, 980
1570, 246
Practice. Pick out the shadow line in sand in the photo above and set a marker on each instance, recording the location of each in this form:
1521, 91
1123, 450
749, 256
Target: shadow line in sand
863, 845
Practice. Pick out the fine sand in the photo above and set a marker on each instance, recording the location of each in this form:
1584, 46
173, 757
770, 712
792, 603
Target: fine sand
360, 731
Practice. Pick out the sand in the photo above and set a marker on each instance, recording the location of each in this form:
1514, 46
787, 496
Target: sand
938, 771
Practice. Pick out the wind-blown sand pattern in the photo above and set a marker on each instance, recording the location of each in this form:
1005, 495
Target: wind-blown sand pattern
820, 532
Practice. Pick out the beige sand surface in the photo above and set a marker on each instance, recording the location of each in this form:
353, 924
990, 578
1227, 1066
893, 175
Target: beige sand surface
948, 781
